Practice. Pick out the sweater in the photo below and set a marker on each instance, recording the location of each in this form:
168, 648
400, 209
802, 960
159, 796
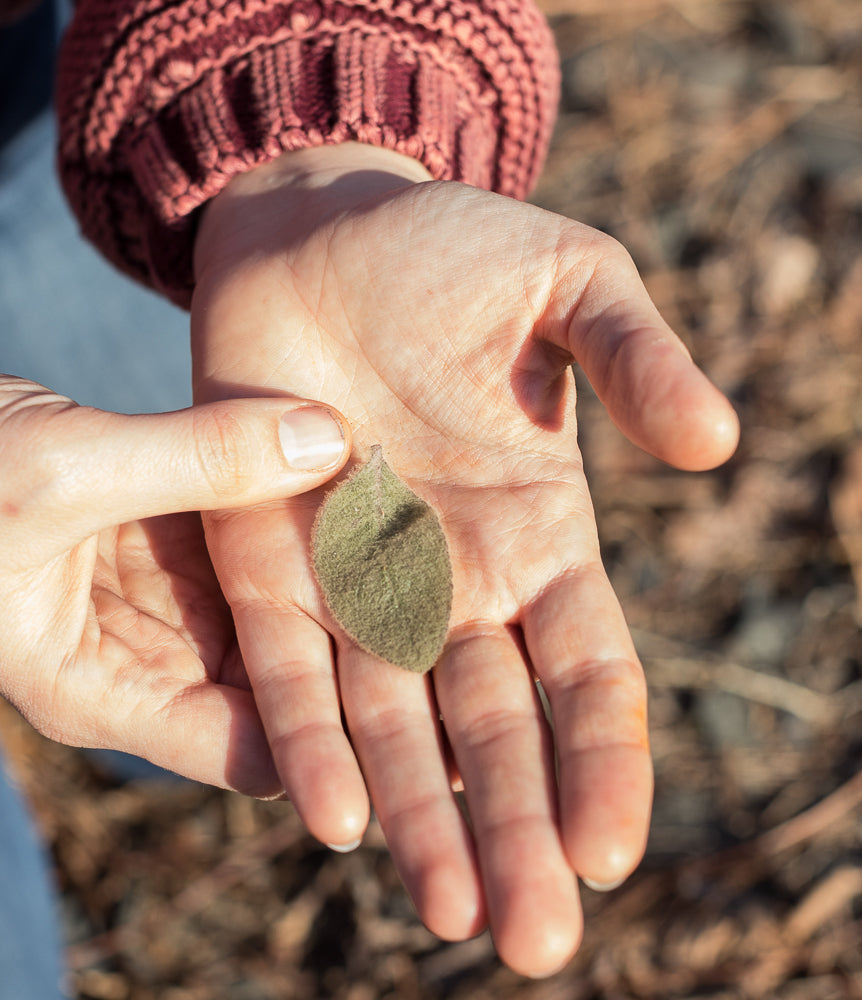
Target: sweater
161, 102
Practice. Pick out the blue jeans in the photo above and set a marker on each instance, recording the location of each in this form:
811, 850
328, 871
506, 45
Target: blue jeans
69, 321
30, 962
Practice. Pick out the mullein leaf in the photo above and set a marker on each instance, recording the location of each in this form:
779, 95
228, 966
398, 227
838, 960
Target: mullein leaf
381, 559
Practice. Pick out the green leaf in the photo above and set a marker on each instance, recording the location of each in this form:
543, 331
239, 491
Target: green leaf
381, 560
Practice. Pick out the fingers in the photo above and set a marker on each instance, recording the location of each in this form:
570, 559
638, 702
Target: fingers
391, 716
640, 369
259, 555
155, 704
504, 752
581, 651
209, 733
298, 700
70, 471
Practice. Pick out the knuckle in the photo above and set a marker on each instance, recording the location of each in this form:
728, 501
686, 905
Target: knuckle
612, 257
224, 450
36, 476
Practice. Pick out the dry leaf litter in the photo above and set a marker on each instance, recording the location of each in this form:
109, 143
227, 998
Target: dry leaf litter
721, 142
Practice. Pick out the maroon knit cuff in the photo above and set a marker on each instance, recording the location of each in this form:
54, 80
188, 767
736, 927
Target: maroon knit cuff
161, 104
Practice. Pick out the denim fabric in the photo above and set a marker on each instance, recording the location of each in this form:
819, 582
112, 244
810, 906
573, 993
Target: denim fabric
67, 318
27, 50
30, 963
71, 322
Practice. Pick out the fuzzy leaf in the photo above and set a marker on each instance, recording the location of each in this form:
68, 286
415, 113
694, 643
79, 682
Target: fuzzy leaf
381, 559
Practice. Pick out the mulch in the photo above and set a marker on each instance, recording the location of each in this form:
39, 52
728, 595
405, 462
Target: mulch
721, 142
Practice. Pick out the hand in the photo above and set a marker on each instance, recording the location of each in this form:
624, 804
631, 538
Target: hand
442, 320
113, 630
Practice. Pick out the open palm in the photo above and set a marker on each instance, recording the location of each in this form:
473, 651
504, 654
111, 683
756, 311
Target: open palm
442, 321
113, 629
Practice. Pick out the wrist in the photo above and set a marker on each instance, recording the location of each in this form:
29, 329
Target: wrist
318, 166
299, 191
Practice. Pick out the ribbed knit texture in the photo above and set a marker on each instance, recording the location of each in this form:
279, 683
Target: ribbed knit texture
160, 103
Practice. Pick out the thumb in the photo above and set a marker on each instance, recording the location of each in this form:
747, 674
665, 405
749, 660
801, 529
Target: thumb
71, 471
643, 373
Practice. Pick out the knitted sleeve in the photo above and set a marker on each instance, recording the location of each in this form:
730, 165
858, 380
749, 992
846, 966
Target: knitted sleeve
161, 102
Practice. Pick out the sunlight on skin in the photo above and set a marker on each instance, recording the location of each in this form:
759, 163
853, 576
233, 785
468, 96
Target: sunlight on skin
333, 273
114, 630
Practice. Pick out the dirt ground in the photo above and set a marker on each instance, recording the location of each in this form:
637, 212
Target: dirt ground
721, 142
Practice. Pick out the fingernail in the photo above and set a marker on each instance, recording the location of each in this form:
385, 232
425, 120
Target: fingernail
602, 886
311, 438
345, 848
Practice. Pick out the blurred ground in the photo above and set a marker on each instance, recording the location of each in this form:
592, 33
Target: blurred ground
721, 142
